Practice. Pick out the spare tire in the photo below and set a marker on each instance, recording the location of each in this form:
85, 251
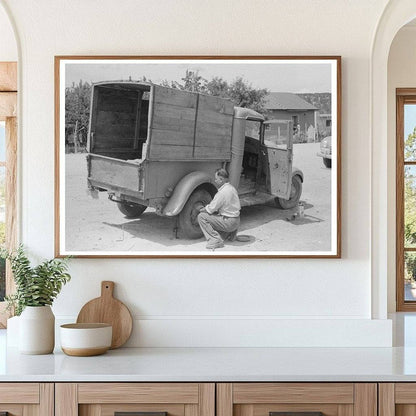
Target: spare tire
130, 209
295, 193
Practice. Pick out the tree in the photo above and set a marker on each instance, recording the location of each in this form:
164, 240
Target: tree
77, 109
218, 87
194, 82
244, 95
240, 91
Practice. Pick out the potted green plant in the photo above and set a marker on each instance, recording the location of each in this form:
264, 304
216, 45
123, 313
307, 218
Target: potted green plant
36, 289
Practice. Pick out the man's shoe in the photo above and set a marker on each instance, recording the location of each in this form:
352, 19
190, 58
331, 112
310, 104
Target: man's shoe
213, 246
232, 236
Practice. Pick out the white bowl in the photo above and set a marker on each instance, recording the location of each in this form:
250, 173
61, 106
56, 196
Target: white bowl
83, 340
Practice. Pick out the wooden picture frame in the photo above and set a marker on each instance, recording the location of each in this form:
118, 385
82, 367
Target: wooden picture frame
148, 132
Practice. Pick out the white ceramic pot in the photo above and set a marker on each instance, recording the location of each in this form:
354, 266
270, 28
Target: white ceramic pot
85, 339
37, 330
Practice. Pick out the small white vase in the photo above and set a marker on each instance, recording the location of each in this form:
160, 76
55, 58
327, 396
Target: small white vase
13, 331
37, 330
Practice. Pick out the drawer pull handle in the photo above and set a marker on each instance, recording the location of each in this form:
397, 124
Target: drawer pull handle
296, 414
139, 414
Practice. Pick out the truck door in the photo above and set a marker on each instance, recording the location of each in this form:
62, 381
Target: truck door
278, 150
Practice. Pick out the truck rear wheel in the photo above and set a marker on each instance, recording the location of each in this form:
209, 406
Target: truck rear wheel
188, 218
295, 194
130, 209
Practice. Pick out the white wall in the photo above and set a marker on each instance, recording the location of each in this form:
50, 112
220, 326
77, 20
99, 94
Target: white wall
211, 302
401, 74
8, 47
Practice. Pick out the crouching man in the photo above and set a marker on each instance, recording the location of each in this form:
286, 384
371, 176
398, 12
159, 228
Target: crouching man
221, 217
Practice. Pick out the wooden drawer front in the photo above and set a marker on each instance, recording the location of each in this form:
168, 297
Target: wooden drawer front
138, 393
332, 399
19, 393
293, 393
104, 399
405, 393
27, 399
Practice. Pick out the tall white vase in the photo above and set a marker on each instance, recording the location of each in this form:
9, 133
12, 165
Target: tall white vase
37, 330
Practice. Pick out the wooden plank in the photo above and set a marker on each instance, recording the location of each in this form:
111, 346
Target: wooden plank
405, 91
405, 393
246, 410
171, 409
214, 129
386, 399
124, 175
47, 399
191, 410
174, 111
125, 104
27, 393
212, 153
163, 95
114, 132
176, 138
8, 105
210, 117
8, 76
405, 410
345, 410
165, 123
224, 399
66, 399
90, 410
365, 399
210, 103
31, 410
293, 393
138, 393
169, 152
207, 399
208, 139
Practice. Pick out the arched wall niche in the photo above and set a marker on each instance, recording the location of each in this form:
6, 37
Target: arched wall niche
396, 14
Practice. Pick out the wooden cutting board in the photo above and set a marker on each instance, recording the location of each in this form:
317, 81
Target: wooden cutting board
107, 309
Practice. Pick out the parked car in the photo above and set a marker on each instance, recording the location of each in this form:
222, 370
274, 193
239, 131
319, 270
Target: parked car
326, 151
153, 146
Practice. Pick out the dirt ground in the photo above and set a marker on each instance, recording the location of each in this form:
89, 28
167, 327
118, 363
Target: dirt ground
96, 225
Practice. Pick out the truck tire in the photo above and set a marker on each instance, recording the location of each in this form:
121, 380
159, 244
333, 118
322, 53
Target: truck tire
295, 194
188, 218
327, 162
130, 209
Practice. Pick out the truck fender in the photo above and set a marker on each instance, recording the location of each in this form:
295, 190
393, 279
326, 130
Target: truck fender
298, 172
184, 189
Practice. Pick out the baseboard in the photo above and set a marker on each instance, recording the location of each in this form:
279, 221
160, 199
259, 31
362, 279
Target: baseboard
258, 332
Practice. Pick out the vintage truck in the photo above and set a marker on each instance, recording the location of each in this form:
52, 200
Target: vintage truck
159, 147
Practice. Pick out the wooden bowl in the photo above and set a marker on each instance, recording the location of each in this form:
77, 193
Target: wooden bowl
84, 340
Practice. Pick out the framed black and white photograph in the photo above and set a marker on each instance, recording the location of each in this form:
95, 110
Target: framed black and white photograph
198, 156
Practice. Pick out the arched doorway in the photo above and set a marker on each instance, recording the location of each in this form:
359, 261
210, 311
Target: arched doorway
396, 14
